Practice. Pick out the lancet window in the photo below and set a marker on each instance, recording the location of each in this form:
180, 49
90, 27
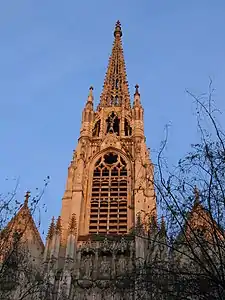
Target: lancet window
109, 195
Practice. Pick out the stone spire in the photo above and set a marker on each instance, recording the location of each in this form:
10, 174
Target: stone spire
73, 225
58, 226
51, 229
90, 99
115, 90
26, 199
137, 101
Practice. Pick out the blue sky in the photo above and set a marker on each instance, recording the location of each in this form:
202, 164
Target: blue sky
52, 51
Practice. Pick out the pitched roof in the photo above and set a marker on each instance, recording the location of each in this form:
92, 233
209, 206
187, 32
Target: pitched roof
22, 222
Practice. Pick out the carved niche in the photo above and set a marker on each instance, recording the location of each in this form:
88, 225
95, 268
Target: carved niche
105, 262
86, 265
121, 264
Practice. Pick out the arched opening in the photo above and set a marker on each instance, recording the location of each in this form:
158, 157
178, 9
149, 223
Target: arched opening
127, 128
113, 124
116, 100
108, 213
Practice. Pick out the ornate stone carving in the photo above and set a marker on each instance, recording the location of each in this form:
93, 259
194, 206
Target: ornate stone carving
86, 266
127, 147
83, 149
121, 265
137, 147
115, 91
123, 245
111, 139
105, 245
88, 246
105, 267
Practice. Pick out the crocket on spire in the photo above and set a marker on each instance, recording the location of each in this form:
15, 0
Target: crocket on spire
115, 89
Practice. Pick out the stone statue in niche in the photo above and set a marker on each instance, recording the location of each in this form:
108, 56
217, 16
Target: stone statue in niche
113, 124
86, 267
121, 264
105, 266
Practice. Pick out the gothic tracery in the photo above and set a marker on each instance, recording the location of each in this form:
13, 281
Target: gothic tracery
109, 195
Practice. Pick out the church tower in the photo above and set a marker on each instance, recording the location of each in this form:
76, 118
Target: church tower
109, 179
109, 189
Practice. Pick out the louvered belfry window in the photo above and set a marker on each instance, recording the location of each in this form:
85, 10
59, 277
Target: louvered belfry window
109, 196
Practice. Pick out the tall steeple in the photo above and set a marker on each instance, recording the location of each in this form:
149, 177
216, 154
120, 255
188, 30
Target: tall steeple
111, 170
109, 191
115, 90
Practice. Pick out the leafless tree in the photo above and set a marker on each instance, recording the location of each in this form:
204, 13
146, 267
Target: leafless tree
186, 257
192, 199
20, 275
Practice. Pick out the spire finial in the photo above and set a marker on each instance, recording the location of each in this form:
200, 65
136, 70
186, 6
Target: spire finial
136, 90
118, 31
90, 97
27, 196
91, 90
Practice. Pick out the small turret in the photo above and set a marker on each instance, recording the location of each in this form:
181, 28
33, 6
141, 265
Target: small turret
48, 245
88, 115
137, 100
138, 113
56, 239
90, 100
71, 240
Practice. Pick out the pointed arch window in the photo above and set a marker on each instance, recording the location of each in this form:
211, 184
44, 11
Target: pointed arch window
108, 214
